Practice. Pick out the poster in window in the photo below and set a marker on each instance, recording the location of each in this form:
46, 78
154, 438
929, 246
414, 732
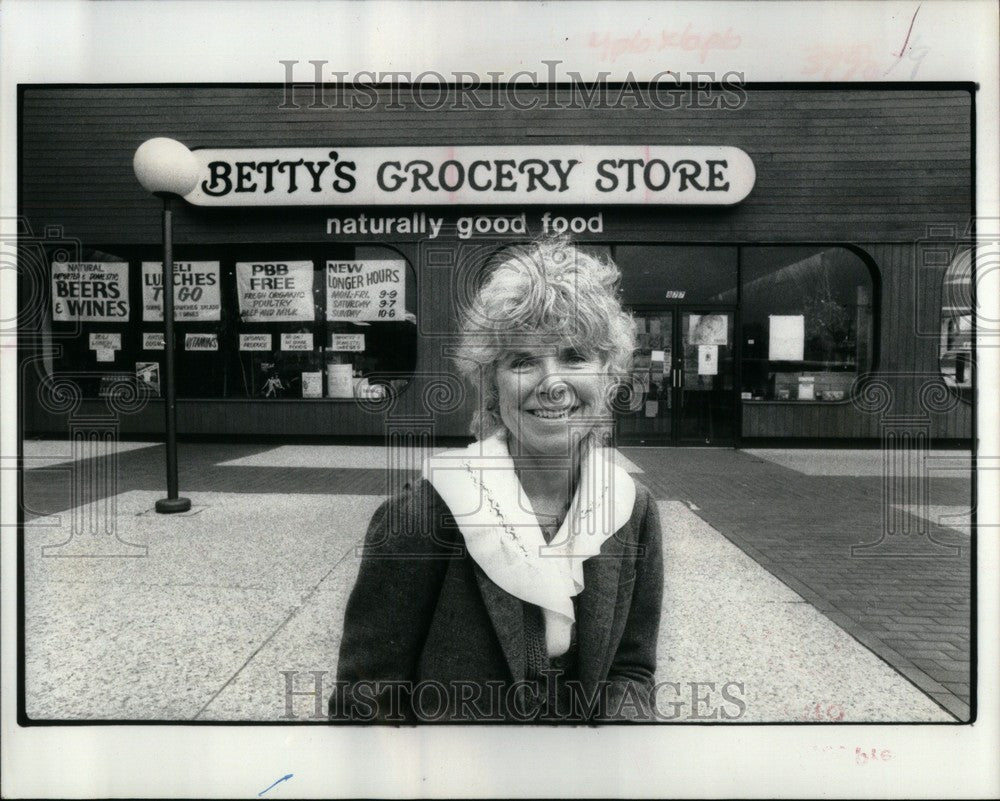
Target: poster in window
312, 384
339, 381
786, 337
708, 329
88, 291
275, 291
152, 340
372, 289
196, 291
148, 376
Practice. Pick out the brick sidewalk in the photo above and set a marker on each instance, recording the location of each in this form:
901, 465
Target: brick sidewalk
912, 611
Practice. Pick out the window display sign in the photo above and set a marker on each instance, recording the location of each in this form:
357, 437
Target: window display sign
272, 292
373, 289
88, 291
297, 341
107, 341
201, 342
255, 341
786, 337
152, 341
709, 329
449, 175
354, 343
312, 385
105, 346
148, 376
339, 381
196, 291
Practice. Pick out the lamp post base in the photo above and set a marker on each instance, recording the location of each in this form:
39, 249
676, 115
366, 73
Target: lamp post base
169, 506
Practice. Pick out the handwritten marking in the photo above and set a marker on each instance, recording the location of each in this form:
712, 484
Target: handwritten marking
284, 778
908, 32
862, 757
648, 40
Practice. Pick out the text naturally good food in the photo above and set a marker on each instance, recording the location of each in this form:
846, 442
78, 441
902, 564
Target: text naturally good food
453, 175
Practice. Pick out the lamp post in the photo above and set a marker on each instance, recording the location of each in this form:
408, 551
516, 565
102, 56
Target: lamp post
167, 169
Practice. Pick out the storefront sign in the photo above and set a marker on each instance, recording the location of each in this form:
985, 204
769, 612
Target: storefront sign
347, 342
152, 341
374, 289
514, 174
196, 291
255, 341
201, 342
90, 291
297, 341
274, 291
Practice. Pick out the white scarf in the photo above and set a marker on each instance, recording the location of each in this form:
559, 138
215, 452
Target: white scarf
491, 509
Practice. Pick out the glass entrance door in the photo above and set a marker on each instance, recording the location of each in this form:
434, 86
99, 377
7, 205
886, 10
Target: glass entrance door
703, 374
683, 377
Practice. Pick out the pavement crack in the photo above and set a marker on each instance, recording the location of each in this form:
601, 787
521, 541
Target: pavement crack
295, 610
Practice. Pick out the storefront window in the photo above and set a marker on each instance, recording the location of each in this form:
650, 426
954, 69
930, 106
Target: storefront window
251, 321
955, 351
808, 326
93, 314
371, 332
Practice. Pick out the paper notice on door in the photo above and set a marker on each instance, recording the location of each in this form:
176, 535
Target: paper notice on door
105, 354
708, 360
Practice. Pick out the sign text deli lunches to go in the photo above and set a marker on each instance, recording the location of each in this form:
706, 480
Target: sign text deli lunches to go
516, 175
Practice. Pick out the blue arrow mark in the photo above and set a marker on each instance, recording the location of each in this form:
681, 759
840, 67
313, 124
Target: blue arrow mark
284, 778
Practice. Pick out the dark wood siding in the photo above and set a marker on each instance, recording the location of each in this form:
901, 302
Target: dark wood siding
848, 165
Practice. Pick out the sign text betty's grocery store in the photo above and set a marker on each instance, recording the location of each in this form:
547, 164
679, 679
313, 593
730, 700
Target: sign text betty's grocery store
525, 174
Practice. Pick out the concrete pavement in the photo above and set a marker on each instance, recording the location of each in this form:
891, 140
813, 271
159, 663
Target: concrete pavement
215, 614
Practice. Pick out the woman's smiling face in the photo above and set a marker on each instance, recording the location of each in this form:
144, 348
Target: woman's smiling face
547, 393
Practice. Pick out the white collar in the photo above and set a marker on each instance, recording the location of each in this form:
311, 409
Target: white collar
491, 509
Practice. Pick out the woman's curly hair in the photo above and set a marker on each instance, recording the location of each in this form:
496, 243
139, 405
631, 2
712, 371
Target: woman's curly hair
544, 292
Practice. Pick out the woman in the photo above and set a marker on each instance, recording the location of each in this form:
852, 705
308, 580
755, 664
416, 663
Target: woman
521, 578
